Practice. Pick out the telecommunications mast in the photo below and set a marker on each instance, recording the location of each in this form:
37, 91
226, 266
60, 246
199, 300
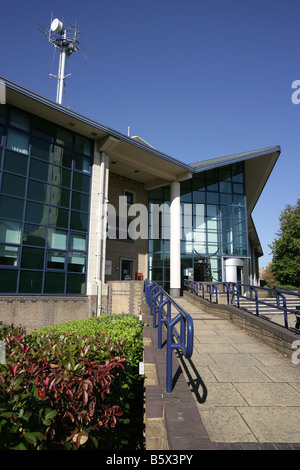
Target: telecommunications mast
66, 41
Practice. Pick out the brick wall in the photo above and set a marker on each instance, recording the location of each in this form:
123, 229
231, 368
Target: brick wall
33, 312
125, 296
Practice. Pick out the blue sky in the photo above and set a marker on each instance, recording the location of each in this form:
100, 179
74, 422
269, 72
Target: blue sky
196, 79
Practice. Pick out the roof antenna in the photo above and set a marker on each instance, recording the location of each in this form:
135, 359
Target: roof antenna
65, 39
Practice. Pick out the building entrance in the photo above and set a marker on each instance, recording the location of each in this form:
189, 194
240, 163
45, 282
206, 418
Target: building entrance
126, 269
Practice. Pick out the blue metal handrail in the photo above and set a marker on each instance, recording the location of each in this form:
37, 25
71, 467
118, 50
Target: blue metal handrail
233, 291
160, 304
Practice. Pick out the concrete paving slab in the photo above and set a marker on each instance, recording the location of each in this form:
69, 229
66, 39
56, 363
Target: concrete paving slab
201, 358
252, 392
282, 373
250, 347
223, 394
270, 424
238, 373
225, 424
269, 358
295, 385
214, 347
212, 338
234, 357
269, 394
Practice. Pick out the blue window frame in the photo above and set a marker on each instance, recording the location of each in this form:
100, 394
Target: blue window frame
45, 183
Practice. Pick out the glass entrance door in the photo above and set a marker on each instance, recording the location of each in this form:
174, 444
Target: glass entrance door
126, 269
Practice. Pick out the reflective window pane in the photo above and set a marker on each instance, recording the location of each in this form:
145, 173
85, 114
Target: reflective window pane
10, 232
64, 137
76, 284
238, 188
17, 141
82, 164
9, 255
54, 283
15, 162
58, 217
80, 201
83, 145
40, 170
81, 182
57, 239
34, 235
56, 260
225, 199
36, 213
38, 191
212, 198
43, 129
20, 119
61, 176
11, 208
8, 281
14, 185
76, 262
3, 113
32, 258
31, 282
60, 196
41, 149
77, 242
79, 221
62, 157
225, 187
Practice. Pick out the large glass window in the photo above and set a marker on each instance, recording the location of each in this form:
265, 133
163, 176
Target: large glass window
213, 223
44, 206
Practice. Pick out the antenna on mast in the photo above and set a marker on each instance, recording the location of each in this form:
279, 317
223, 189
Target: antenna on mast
66, 41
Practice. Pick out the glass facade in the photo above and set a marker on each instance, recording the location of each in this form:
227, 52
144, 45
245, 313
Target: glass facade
44, 205
214, 222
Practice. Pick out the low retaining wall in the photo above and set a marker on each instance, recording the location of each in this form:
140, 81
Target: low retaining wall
274, 335
34, 312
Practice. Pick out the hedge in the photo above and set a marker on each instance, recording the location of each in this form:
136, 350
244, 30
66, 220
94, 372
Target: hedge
72, 386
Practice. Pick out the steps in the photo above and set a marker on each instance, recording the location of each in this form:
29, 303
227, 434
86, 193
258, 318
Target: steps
272, 313
250, 305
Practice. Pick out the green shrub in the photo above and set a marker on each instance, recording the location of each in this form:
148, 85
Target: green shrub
72, 386
125, 328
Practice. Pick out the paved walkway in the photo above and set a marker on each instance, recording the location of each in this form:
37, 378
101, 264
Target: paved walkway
246, 392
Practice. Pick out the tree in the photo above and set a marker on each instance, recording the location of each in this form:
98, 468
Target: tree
268, 276
286, 247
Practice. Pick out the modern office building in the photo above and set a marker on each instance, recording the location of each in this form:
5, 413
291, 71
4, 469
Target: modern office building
82, 204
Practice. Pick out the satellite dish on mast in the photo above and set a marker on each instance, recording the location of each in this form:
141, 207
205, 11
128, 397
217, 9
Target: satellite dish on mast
65, 39
56, 26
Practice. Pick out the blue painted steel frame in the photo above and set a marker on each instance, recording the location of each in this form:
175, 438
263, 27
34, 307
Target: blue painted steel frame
233, 289
160, 304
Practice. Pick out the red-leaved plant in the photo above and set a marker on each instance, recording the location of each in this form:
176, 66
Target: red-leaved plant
59, 394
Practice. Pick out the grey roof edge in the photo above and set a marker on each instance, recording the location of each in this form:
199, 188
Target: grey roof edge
61, 108
253, 227
227, 160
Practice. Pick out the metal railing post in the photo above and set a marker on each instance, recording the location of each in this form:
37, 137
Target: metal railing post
157, 299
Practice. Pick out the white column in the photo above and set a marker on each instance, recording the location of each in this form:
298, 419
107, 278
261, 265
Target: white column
175, 236
105, 169
231, 265
102, 219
